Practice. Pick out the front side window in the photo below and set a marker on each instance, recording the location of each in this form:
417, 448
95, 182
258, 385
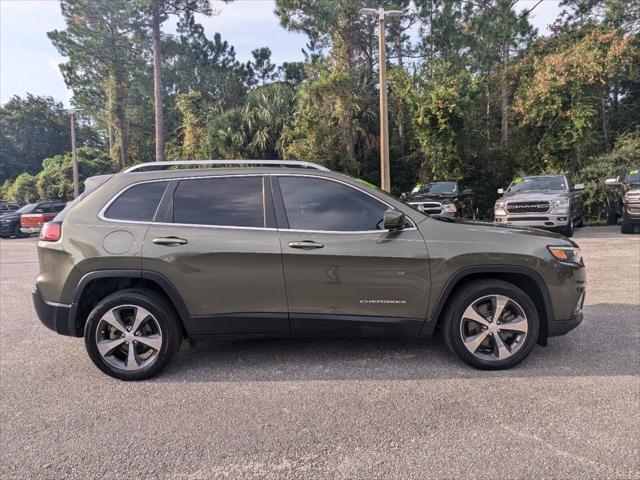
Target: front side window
221, 201
319, 204
138, 203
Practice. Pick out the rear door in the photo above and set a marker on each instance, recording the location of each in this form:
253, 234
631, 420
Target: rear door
217, 243
343, 272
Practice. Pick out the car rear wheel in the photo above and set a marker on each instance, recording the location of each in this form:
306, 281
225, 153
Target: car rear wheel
17, 233
132, 334
491, 325
627, 225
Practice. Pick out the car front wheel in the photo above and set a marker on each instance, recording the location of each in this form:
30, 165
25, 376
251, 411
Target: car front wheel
132, 334
491, 325
627, 225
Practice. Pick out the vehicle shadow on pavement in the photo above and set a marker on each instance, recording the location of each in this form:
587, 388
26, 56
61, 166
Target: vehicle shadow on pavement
606, 344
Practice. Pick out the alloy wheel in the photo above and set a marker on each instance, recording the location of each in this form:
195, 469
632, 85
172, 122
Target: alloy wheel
494, 327
129, 337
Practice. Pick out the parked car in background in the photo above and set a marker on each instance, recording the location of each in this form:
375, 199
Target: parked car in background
447, 198
10, 222
8, 207
622, 199
32, 219
145, 257
545, 201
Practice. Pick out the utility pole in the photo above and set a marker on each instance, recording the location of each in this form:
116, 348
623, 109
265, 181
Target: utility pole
385, 173
74, 157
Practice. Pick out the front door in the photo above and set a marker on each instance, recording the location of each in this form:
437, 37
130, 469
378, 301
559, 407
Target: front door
343, 272
218, 245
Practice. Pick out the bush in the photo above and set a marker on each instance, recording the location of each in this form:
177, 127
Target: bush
625, 153
23, 189
55, 181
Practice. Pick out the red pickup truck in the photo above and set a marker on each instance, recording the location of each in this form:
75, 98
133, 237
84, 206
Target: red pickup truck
32, 221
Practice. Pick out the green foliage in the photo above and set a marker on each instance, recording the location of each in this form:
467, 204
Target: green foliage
261, 65
31, 129
55, 180
22, 190
564, 91
483, 97
252, 130
626, 153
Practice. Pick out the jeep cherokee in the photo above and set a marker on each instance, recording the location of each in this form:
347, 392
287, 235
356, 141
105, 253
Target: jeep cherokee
147, 257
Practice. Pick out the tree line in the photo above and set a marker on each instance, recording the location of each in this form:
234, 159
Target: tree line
475, 92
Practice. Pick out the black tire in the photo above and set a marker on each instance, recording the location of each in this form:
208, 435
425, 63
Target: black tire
627, 225
163, 313
468, 295
17, 233
612, 217
568, 230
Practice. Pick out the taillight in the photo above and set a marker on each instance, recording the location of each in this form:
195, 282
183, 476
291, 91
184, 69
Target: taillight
51, 231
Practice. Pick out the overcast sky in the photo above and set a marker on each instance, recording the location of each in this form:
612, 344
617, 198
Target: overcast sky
29, 63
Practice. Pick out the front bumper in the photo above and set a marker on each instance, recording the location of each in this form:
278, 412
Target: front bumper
54, 316
537, 220
632, 211
561, 327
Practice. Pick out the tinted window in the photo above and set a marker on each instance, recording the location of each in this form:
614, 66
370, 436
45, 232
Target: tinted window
138, 203
225, 201
317, 204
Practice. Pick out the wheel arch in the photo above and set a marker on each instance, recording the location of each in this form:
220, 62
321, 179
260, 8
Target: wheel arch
524, 278
96, 285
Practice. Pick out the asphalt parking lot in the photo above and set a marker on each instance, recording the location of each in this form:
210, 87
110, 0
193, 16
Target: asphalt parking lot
330, 408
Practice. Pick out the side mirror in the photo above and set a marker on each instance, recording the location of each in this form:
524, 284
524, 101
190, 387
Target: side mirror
501, 191
578, 186
403, 196
611, 182
393, 220
467, 192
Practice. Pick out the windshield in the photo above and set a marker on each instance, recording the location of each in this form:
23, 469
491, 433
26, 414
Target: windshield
633, 176
436, 188
27, 208
529, 184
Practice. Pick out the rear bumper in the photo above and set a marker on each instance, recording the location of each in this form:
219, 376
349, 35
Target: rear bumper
30, 229
54, 316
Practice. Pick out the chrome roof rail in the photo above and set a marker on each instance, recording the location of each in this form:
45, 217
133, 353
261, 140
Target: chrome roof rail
195, 163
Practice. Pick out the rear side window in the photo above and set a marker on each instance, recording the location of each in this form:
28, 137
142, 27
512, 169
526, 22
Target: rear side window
138, 203
318, 204
223, 201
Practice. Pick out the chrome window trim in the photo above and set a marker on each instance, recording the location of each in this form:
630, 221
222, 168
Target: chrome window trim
388, 205
101, 214
230, 227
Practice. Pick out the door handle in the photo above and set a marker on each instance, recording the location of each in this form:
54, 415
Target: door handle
170, 241
306, 245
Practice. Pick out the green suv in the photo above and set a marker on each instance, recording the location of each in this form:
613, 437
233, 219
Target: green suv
145, 258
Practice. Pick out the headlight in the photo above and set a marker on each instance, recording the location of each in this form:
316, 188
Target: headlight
561, 205
566, 254
499, 208
449, 208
